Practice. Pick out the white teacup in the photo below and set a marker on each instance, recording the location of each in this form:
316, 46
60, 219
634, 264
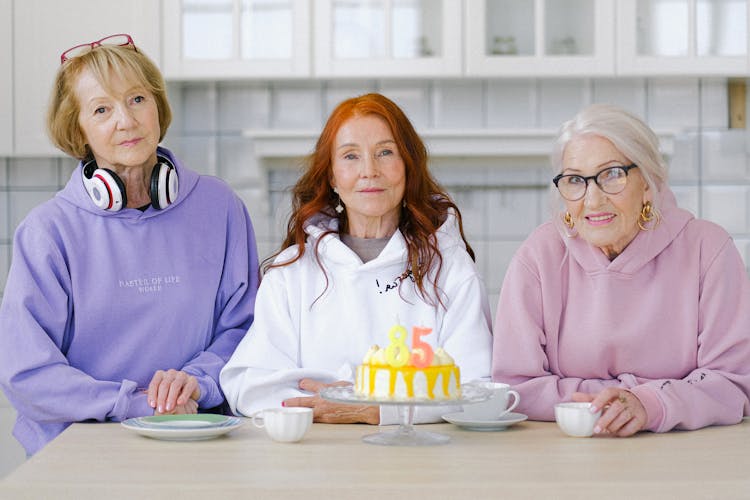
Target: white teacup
285, 425
494, 407
576, 419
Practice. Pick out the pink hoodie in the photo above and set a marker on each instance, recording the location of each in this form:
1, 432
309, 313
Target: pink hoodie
668, 319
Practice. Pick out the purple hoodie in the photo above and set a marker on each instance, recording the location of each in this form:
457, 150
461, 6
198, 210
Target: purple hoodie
668, 319
97, 301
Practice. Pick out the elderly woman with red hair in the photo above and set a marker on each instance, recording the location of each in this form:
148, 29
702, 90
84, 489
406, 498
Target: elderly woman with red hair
372, 241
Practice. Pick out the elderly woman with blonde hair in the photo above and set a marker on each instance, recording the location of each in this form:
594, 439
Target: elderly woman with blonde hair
130, 289
624, 300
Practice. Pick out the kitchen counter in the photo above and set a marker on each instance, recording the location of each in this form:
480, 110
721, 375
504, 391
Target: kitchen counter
528, 460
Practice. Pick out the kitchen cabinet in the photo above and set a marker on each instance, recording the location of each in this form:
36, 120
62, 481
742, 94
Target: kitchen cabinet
280, 39
227, 39
42, 31
682, 37
539, 38
6, 79
387, 38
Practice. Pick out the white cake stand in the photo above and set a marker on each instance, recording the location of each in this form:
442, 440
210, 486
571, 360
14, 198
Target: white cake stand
406, 434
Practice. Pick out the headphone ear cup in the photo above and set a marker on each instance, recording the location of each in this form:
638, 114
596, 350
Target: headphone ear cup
164, 186
105, 188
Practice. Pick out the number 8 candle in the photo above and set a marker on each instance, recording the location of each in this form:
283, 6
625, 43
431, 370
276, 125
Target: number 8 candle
397, 352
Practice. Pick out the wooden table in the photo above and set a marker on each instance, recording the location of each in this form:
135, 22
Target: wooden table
529, 460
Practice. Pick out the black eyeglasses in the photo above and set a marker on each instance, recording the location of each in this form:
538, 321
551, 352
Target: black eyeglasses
611, 180
119, 40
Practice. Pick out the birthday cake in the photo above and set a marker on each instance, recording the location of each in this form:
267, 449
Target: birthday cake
396, 373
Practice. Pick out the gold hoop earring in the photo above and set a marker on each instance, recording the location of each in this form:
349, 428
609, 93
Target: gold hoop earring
648, 215
570, 224
568, 220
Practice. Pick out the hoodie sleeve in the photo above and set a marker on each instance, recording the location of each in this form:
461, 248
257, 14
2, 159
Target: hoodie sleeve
35, 323
265, 369
465, 332
519, 348
717, 392
235, 306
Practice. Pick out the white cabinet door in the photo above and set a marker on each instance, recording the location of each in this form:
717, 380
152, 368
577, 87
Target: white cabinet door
682, 37
539, 38
230, 39
387, 38
6, 79
43, 29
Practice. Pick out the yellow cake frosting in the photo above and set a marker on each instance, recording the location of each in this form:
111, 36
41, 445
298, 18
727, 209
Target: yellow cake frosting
376, 378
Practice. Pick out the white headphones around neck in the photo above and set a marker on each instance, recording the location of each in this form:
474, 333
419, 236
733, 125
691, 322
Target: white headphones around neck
107, 190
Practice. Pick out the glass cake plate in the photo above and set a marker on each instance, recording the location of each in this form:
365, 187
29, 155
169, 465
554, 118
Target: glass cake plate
406, 434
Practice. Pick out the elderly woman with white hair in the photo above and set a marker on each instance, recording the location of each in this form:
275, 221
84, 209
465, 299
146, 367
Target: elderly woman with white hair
623, 299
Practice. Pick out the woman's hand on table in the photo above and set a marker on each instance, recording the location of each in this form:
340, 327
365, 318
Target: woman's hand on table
622, 412
172, 391
327, 412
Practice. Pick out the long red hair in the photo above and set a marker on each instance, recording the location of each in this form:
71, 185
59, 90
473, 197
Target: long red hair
426, 204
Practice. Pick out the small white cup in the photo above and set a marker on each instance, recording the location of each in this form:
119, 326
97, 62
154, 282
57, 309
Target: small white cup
494, 407
284, 425
576, 419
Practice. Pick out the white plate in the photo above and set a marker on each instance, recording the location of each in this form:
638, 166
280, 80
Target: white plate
183, 427
461, 420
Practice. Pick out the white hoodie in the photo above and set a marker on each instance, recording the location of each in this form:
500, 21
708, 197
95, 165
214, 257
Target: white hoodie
307, 326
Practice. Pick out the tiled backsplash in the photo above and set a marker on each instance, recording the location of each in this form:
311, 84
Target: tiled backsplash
502, 197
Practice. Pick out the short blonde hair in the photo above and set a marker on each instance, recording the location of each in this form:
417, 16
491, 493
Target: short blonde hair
131, 65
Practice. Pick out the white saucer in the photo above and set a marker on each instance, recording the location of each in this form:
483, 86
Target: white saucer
191, 427
460, 419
